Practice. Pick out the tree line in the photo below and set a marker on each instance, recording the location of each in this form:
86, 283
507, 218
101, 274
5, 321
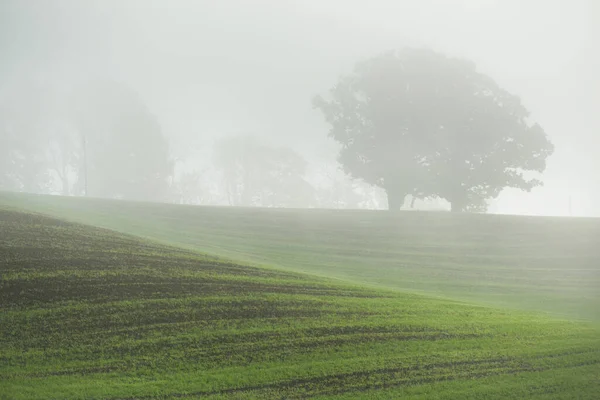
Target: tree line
412, 123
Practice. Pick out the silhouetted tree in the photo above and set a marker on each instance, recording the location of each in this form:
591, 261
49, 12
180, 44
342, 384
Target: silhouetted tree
126, 154
189, 188
24, 137
417, 122
236, 158
41, 142
258, 175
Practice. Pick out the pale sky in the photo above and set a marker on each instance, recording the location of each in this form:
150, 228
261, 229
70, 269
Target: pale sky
214, 68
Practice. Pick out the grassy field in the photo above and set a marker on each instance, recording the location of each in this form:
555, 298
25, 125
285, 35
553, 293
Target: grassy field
531, 263
91, 313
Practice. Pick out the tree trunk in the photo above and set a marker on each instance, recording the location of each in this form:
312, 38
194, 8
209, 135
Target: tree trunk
395, 199
65, 181
85, 166
457, 206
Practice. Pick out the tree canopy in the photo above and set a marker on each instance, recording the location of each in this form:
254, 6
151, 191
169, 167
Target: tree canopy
127, 155
255, 174
414, 121
101, 137
28, 126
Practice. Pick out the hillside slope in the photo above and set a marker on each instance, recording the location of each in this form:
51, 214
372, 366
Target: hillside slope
90, 313
534, 263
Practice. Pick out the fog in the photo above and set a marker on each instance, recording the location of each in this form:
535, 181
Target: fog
207, 71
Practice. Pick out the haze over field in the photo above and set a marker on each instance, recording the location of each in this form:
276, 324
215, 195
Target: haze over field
208, 70
101, 298
299, 199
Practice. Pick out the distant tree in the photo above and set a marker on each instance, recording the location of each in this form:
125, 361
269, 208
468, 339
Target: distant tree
258, 175
63, 148
64, 152
284, 184
42, 142
417, 122
337, 190
189, 189
23, 166
125, 155
24, 125
236, 158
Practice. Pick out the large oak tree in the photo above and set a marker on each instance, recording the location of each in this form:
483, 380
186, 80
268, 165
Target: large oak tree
414, 121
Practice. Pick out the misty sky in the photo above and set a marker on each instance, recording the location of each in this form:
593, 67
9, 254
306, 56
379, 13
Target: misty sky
215, 68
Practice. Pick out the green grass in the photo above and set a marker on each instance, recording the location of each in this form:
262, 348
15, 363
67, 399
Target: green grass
89, 313
531, 263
